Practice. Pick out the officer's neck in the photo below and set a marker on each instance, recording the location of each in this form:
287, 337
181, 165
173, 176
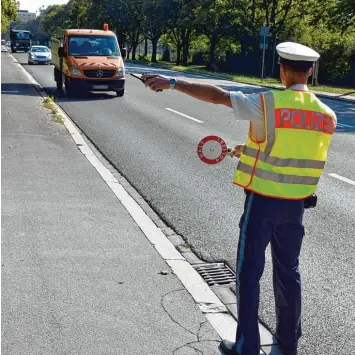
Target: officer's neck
299, 79
290, 83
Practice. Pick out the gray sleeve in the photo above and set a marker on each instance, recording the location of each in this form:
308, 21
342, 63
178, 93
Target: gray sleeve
247, 107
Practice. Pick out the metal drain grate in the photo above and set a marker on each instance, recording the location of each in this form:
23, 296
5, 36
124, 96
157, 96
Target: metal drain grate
217, 274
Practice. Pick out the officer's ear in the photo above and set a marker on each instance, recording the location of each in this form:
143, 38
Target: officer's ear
283, 69
310, 71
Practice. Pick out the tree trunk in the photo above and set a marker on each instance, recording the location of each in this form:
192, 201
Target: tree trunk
134, 50
185, 47
135, 43
274, 55
166, 54
121, 37
145, 46
178, 54
155, 47
185, 53
213, 44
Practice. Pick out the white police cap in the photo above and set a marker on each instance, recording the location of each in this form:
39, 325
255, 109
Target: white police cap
296, 52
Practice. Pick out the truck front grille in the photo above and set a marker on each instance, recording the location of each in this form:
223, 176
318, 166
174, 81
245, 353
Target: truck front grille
95, 73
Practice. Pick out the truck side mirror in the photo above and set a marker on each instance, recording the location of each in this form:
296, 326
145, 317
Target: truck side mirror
124, 53
61, 52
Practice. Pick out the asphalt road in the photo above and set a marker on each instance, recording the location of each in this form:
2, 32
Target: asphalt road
155, 149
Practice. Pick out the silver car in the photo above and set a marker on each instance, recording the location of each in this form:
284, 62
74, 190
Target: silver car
39, 55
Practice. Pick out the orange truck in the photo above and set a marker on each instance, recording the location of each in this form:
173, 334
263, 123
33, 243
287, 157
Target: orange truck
88, 60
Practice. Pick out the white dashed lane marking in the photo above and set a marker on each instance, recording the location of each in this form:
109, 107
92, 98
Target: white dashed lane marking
182, 114
342, 178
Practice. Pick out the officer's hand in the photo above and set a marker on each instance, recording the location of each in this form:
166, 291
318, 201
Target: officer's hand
156, 82
237, 150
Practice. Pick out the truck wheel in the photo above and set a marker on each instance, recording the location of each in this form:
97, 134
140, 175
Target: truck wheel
59, 82
68, 87
120, 93
58, 78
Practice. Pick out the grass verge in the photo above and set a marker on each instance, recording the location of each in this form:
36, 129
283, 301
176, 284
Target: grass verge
196, 69
48, 104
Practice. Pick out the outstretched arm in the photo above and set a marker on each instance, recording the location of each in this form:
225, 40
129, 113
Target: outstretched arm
204, 92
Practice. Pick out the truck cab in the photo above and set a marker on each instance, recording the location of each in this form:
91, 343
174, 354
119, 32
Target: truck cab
89, 60
20, 40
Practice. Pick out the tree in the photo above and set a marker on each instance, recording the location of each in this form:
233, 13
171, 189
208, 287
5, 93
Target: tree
216, 19
54, 20
132, 20
157, 14
77, 13
334, 42
8, 14
181, 28
344, 14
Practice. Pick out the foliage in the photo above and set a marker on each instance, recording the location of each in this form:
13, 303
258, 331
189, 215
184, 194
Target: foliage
220, 34
54, 20
8, 14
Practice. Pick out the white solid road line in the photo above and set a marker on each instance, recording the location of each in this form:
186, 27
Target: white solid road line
182, 114
342, 178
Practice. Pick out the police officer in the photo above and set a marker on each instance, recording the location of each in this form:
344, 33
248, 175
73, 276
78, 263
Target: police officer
279, 169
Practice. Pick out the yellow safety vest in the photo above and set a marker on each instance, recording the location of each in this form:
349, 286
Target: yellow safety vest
291, 159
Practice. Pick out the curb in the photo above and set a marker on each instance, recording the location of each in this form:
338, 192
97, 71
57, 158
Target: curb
318, 93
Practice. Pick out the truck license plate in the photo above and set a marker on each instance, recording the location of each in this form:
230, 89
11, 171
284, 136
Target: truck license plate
100, 87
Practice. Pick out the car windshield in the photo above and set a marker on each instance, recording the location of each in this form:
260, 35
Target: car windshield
93, 45
22, 35
39, 49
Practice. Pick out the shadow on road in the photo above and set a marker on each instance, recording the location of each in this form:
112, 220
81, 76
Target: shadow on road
82, 96
61, 96
18, 89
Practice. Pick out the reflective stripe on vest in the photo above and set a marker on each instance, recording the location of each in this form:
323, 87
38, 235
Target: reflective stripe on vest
296, 163
291, 159
285, 179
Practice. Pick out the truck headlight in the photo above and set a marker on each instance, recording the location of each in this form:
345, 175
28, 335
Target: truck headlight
75, 71
120, 72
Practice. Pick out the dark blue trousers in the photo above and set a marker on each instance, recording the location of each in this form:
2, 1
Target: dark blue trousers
279, 222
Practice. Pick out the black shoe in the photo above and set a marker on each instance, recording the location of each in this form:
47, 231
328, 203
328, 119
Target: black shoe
228, 347
283, 348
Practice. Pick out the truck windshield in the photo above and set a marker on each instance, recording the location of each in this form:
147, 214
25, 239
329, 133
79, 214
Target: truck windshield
22, 35
93, 45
